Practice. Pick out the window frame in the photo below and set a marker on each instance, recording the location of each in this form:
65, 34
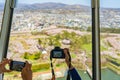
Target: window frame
96, 58
96, 62
6, 27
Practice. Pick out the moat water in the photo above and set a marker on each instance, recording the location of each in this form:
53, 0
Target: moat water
107, 74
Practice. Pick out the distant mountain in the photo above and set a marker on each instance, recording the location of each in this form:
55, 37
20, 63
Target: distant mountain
50, 5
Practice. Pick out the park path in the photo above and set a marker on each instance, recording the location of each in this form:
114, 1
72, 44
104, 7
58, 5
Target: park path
114, 42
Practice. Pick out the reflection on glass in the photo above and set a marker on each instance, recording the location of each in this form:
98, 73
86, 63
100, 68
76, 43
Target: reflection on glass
38, 27
110, 39
2, 3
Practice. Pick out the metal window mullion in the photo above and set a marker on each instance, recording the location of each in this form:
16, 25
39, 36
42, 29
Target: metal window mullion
6, 27
96, 60
5, 31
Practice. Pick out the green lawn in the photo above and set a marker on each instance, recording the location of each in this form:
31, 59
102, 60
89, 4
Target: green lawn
88, 47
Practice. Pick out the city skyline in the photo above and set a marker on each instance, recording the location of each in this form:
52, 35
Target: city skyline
103, 3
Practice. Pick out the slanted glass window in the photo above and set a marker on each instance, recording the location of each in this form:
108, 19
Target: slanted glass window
2, 3
110, 39
38, 26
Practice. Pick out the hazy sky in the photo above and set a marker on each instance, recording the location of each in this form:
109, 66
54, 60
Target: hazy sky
63, 1
103, 3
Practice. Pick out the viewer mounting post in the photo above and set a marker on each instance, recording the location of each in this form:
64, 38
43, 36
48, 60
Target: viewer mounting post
6, 28
96, 59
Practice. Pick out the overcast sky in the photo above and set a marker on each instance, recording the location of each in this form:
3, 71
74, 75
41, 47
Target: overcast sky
103, 3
